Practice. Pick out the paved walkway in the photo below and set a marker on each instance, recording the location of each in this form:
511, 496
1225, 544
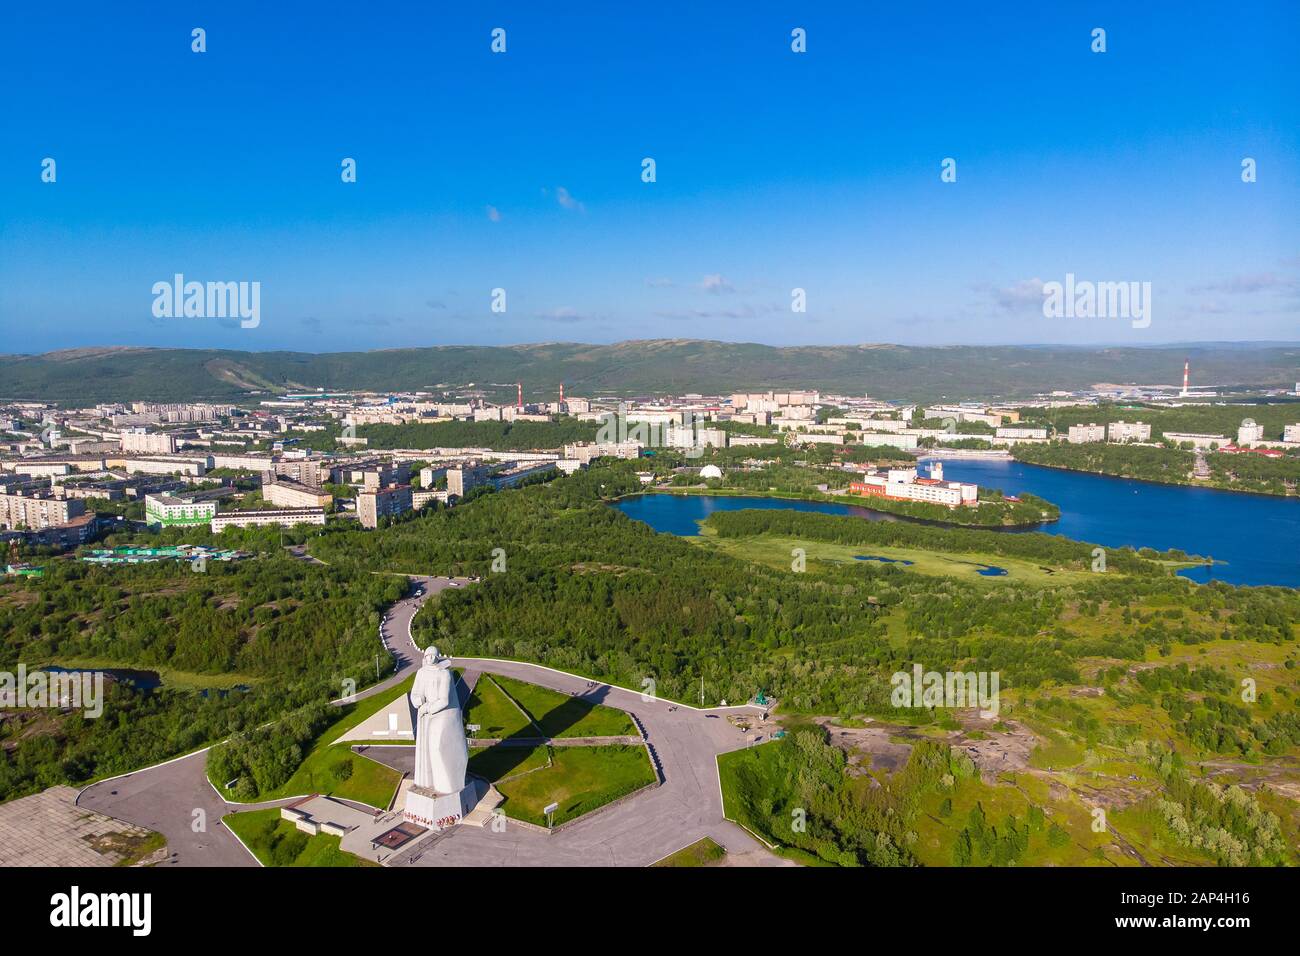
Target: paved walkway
165, 797
685, 808
49, 829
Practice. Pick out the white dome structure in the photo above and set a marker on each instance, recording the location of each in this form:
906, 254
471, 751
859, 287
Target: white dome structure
710, 471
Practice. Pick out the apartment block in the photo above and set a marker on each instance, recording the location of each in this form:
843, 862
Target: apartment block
171, 512
285, 518
141, 442
38, 511
1083, 434
586, 453
291, 494
1128, 431
373, 505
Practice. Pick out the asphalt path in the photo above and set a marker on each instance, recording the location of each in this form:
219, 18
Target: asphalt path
176, 799
686, 807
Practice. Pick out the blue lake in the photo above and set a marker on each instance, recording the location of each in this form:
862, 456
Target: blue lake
1257, 535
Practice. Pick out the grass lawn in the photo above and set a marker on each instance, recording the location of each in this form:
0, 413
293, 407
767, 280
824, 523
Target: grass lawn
277, 842
494, 764
700, 853
938, 832
337, 771
732, 769
560, 715
775, 552
1057, 754
370, 783
494, 712
580, 779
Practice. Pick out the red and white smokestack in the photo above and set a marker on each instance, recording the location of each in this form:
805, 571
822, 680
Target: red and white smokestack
519, 395
561, 393
1187, 366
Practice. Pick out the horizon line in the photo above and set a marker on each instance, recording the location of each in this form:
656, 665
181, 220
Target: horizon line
1199, 343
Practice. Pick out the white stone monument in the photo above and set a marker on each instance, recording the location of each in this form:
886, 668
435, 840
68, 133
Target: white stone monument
439, 797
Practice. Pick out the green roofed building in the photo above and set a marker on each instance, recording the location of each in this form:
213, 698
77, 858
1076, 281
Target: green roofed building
172, 512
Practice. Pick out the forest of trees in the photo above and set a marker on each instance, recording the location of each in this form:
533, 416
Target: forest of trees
292, 632
1148, 463
1237, 472
588, 590
1208, 419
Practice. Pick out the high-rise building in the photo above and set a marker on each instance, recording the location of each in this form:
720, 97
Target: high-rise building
1128, 431
139, 441
37, 511
170, 512
373, 505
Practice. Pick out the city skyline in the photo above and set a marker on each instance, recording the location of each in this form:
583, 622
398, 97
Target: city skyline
523, 171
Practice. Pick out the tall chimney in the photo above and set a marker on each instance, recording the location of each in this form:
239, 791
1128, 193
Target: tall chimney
1187, 366
519, 395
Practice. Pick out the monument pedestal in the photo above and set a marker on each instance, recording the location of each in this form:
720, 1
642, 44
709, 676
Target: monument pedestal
437, 811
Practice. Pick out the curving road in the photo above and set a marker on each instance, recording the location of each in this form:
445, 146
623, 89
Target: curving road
686, 807
167, 797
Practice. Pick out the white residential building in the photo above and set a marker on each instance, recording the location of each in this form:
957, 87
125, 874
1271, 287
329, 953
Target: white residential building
1128, 431
146, 443
285, 518
1025, 432
168, 511
1083, 434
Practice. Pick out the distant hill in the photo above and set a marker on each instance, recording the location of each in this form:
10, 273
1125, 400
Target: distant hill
89, 375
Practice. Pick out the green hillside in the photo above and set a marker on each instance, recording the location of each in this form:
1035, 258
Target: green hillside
630, 368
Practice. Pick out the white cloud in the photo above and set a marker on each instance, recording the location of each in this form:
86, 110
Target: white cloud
715, 284
565, 199
1017, 296
1246, 284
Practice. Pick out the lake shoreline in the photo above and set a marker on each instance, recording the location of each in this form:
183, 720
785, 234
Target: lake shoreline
852, 501
1146, 481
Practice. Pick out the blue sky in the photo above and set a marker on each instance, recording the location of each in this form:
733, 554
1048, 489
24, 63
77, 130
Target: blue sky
522, 170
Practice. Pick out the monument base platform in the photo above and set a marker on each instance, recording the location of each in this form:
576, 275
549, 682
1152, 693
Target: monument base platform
437, 811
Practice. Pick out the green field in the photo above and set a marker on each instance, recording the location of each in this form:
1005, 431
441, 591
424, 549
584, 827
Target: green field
775, 552
322, 771
277, 842
700, 853
559, 715
495, 713
580, 779
495, 764
736, 772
